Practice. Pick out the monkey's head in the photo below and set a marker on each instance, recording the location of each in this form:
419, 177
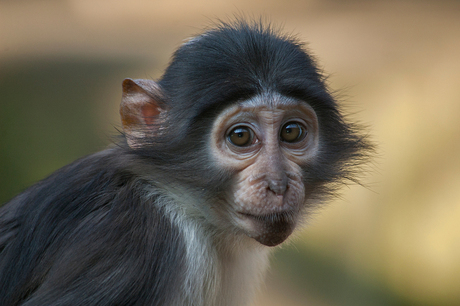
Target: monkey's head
243, 120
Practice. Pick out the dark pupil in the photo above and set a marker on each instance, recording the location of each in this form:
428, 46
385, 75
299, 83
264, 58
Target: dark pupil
291, 132
240, 136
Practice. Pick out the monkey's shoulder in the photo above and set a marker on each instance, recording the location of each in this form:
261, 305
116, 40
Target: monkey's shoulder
95, 189
66, 218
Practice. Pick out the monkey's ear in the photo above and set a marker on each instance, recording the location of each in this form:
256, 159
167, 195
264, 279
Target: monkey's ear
140, 109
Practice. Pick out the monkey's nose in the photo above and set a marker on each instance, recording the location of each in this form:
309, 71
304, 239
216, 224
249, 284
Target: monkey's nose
278, 187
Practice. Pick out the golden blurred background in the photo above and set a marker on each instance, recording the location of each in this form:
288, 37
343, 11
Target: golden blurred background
394, 64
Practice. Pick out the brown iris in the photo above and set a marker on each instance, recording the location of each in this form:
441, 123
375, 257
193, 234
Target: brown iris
292, 132
241, 136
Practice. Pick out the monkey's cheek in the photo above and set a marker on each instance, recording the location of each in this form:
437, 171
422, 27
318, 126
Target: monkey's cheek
267, 230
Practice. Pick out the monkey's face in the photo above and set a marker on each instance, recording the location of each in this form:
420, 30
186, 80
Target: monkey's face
265, 141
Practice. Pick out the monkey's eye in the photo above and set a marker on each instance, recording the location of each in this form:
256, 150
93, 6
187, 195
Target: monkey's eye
292, 132
241, 136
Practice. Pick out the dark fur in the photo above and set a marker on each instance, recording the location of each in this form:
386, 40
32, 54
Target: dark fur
92, 233
85, 236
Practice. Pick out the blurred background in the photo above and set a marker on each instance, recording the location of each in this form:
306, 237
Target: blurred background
395, 65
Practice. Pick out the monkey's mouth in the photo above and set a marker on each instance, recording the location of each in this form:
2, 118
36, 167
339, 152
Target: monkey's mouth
273, 217
269, 229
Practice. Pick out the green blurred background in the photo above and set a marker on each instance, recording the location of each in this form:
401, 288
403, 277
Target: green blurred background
394, 64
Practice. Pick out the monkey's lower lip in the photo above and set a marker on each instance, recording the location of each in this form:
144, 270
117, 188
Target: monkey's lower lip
269, 229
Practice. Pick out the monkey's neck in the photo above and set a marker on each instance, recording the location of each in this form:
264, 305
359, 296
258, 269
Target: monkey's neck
242, 267
222, 269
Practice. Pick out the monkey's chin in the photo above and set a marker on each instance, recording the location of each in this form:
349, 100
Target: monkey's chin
269, 230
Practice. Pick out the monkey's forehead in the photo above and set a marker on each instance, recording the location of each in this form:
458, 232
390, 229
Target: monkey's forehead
268, 100
271, 103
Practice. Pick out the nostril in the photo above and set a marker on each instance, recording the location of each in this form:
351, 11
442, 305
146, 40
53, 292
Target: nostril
278, 187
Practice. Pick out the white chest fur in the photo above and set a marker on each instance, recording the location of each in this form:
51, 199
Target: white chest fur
222, 270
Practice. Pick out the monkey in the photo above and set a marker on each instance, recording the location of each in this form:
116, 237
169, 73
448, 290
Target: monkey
219, 161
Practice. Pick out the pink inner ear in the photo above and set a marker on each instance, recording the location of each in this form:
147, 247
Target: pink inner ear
149, 112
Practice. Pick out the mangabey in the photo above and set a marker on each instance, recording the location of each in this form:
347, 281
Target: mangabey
221, 159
